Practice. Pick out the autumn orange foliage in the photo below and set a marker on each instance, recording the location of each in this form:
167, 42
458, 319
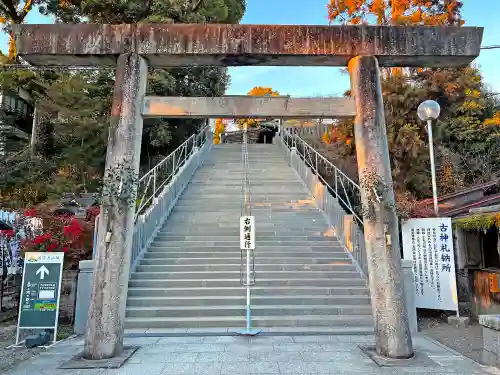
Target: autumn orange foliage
262, 91
14, 13
494, 121
396, 12
249, 122
219, 129
336, 135
256, 91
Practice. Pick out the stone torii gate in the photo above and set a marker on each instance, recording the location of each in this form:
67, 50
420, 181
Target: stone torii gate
132, 48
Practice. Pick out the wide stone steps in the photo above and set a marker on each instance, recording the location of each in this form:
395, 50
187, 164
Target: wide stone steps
281, 255
334, 246
239, 310
197, 283
206, 275
198, 293
257, 301
261, 260
190, 277
363, 323
235, 266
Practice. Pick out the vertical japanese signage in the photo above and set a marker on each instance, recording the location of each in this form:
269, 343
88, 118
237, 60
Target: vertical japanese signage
429, 243
41, 288
247, 233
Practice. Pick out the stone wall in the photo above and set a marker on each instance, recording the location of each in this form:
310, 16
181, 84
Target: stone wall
68, 295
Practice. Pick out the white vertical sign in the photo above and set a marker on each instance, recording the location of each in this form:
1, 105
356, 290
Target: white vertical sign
247, 232
429, 243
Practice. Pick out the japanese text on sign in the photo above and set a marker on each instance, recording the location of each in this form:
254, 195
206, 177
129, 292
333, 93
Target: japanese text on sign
429, 243
40, 292
247, 233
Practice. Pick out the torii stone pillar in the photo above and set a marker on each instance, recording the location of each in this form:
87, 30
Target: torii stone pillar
104, 338
392, 331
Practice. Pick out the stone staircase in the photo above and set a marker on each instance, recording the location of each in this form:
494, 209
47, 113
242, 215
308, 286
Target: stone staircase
190, 276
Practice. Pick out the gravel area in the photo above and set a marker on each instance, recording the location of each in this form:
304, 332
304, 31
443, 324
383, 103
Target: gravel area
467, 341
10, 358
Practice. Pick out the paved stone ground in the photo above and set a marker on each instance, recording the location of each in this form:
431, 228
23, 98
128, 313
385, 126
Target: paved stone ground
271, 355
467, 341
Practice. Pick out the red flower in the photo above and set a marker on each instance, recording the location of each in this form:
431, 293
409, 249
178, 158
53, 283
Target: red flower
7, 233
65, 249
74, 229
51, 246
30, 212
38, 240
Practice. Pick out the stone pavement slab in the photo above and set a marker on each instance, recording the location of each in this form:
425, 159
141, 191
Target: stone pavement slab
262, 355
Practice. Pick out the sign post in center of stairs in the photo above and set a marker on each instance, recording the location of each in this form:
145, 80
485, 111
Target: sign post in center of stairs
247, 237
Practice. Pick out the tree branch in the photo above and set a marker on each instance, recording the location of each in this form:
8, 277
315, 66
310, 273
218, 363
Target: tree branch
11, 11
197, 6
4, 9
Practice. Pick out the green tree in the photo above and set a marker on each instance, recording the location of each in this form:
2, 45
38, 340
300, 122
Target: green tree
467, 136
161, 136
74, 156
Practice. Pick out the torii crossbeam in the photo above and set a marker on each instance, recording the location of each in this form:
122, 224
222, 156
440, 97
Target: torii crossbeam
236, 45
248, 106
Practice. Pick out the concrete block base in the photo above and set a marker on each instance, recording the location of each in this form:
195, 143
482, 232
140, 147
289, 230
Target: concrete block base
488, 358
459, 321
78, 362
418, 359
490, 354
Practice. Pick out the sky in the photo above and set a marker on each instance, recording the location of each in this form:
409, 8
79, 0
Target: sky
328, 81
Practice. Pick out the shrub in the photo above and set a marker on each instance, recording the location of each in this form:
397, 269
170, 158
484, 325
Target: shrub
58, 233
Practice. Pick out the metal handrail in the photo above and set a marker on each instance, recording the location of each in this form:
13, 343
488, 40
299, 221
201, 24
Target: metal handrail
339, 200
160, 191
346, 190
152, 182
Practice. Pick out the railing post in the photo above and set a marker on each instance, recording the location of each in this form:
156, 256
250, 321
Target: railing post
154, 183
198, 157
336, 184
94, 239
316, 162
293, 152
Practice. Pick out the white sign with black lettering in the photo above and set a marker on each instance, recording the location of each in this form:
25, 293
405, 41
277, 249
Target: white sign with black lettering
247, 232
429, 243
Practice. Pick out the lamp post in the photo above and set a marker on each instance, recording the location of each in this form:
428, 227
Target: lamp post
428, 111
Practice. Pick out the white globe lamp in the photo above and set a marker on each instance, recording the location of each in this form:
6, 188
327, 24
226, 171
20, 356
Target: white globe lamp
429, 111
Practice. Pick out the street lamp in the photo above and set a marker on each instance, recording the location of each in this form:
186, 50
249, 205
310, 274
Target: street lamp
428, 111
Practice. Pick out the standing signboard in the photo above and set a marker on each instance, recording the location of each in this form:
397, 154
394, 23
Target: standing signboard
429, 243
247, 245
247, 233
41, 288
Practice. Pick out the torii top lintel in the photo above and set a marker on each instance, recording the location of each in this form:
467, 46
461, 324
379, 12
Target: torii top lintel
168, 45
